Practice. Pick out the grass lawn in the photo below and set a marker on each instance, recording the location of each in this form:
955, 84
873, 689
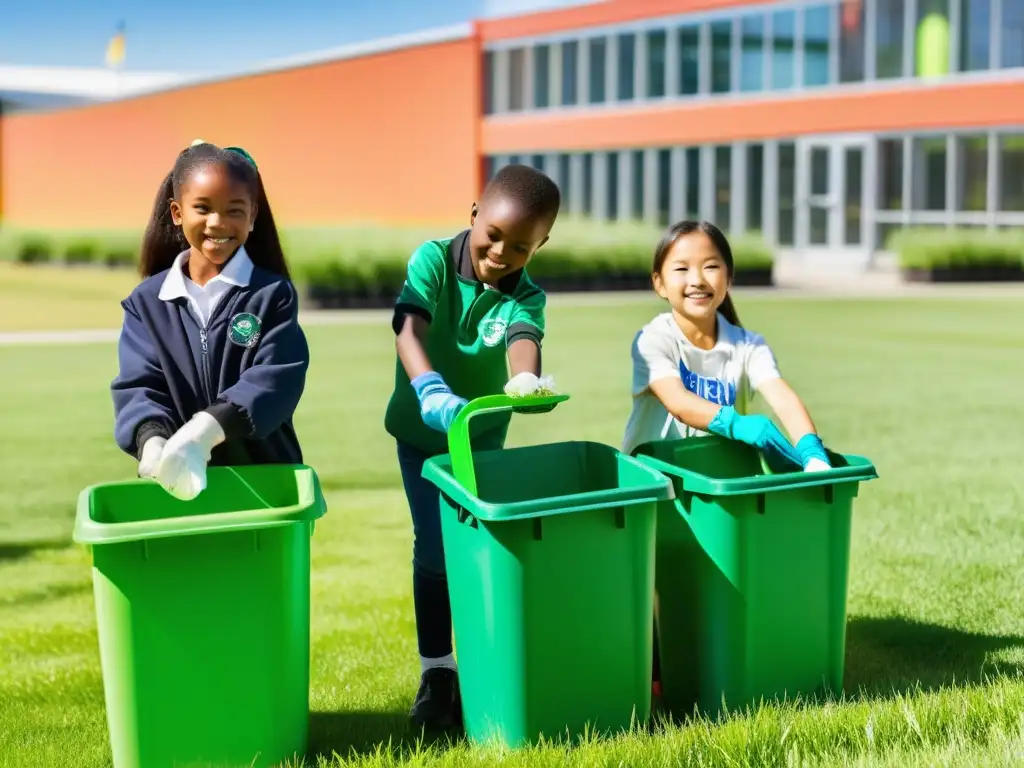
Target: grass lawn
936, 628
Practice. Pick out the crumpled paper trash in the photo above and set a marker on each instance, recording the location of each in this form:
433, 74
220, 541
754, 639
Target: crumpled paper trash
526, 383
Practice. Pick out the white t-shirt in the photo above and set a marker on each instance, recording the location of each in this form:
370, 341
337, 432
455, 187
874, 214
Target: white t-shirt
728, 374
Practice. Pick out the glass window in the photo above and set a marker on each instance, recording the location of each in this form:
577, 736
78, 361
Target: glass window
693, 183
931, 44
929, 174
588, 183
636, 187
612, 188
783, 49
570, 64
889, 39
1013, 33
490, 167
854, 172
752, 53
542, 76
817, 32
975, 29
516, 79
723, 187
787, 193
627, 66
537, 161
488, 83
598, 54
890, 174
656, 45
664, 186
972, 173
851, 41
689, 60
818, 224
755, 187
721, 56
565, 179
1011, 173
514, 160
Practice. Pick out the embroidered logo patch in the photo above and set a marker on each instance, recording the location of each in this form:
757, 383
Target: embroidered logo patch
244, 329
492, 332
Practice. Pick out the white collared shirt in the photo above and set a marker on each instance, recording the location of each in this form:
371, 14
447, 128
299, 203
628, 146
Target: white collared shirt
202, 300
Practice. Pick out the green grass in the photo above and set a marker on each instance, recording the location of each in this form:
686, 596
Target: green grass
935, 641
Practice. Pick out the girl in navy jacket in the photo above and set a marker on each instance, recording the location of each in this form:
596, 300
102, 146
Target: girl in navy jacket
212, 359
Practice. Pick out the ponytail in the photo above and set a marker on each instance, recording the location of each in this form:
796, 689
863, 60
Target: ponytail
728, 310
163, 240
264, 243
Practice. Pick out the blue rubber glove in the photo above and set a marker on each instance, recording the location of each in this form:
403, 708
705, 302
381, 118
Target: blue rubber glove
758, 431
811, 447
438, 404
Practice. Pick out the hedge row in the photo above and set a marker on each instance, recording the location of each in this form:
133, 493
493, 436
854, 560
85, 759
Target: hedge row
958, 249
372, 262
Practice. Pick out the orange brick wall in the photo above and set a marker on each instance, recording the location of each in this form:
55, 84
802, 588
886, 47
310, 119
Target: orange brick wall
386, 138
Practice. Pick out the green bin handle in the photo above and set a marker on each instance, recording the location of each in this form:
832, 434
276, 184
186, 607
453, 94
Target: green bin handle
459, 447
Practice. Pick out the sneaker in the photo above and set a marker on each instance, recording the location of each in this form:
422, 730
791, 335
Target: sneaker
438, 703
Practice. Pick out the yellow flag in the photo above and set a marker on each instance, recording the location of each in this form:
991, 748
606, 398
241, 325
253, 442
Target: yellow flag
115, 48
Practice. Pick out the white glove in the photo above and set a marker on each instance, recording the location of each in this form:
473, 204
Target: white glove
816, 465
182, 471
149, 462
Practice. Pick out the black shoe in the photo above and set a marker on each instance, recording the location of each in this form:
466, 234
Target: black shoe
438, 705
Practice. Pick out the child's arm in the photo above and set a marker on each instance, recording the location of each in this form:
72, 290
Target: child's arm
526, 334
764, 376
414, 312
143, 408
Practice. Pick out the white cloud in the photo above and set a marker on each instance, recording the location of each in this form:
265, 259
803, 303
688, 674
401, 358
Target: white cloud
514, 7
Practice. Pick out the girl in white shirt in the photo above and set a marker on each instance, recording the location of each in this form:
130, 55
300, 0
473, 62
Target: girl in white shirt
695, 368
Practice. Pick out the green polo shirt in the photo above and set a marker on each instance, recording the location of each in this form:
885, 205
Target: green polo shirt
471, 326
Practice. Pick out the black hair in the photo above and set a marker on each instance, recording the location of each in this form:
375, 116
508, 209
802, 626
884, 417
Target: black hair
163, 240
721, 243
533, 190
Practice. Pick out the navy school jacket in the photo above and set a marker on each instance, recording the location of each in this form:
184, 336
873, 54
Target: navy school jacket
250, 379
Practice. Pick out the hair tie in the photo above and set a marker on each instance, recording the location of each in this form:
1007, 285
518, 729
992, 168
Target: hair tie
243, 153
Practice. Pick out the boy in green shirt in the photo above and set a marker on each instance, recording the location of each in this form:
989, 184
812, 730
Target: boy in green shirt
466, 306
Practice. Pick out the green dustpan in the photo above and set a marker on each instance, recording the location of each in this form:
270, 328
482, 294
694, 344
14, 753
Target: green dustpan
459, 446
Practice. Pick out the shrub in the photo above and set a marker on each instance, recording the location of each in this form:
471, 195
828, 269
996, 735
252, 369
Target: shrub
924, 249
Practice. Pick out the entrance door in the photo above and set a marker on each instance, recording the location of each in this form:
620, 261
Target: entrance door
830, 218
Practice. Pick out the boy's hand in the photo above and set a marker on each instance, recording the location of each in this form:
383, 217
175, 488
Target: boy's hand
438, 404
758, 431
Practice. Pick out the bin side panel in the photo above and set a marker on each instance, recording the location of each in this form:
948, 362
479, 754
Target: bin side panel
204, 644
538, 606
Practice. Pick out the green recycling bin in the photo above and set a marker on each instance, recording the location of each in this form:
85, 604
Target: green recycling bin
202, 610
550, 557
751, 575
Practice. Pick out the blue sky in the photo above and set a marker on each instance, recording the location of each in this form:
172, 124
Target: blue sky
200, 36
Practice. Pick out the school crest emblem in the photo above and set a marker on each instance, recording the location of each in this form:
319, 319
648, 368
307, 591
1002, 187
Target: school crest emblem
492, 331
244, 329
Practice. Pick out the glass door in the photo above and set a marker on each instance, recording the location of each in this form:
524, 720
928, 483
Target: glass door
830, 216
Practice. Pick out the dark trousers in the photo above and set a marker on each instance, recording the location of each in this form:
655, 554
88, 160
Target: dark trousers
429, 579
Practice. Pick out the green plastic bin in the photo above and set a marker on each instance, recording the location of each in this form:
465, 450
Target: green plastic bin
751, 575
202, 610
550, 557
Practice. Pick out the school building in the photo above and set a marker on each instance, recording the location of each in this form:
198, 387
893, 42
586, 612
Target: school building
823, 124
